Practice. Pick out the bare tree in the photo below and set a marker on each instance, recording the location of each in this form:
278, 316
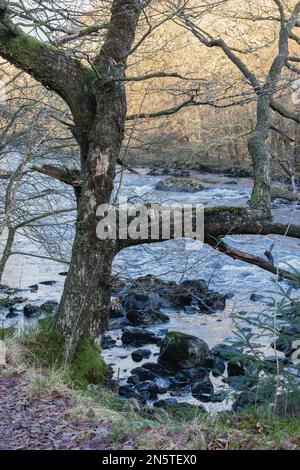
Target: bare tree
266, 99
92, 84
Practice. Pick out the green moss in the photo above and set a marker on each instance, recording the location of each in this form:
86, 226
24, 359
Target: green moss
88, 366
231, 210
47, 346
28, 47
89, 72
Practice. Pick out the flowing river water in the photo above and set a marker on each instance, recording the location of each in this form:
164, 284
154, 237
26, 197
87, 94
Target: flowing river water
173, 260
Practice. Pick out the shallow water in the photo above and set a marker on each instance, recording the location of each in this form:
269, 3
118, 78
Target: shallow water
174, 260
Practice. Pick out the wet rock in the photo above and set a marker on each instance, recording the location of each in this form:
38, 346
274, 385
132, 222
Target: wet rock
108, 342
140, 354
257, 297
142, 308
203, 390
192, 375
188, 293
149, 387
146, 317
31, 310
138, 336
49, 307
34, 288
182, 384
167, 403
219, 366
48, 283
181, 351
155, 367
185, 185
133, 299
143, 374
218, 397
133, 380
12, 313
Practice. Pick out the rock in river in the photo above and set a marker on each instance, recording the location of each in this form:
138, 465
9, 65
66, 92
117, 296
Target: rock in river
140, 354
181, 351
138, 336
31, 310
184, 185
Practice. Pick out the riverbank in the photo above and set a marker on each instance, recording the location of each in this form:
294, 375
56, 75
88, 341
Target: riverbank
40, 412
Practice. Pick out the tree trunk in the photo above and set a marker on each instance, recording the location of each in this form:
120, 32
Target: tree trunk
84, 307
261, 158
85, 302
7, 250
297, 149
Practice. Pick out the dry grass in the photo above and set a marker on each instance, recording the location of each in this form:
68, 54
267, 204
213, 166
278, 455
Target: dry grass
48, 381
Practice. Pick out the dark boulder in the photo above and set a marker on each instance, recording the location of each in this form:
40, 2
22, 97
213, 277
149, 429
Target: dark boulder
140, 354
133, 299
181, 351
219, 366
48, 283
34, 288
143, 374
257, 298
12, 313
108, 342
146, 317
203, 390
31, 310
192, 375
218, 397
156, 368
188, 293
149, 387
138, 336
183, 185
142, 308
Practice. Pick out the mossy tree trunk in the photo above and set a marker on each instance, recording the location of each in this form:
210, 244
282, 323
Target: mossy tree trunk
7, 250
98, 104
84, 307
261, 157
